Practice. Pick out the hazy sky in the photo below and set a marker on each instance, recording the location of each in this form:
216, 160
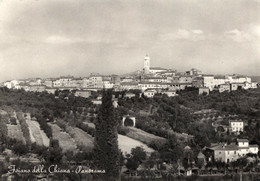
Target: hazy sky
49, 38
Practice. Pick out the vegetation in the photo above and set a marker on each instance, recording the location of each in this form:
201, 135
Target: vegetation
106, 152
166, 124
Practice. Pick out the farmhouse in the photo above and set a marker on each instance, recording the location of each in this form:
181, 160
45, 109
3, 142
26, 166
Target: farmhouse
236, 125
229, 153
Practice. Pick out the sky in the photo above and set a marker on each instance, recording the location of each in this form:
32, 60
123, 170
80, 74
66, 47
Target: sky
52, 38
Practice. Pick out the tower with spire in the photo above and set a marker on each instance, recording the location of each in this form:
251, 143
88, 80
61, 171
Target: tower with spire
146, 64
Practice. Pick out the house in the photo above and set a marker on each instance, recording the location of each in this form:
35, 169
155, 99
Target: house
208, 81
229, 153
108, 84
83, 93
155, 79
128, 85
155, 70
185, 79
193, 71
96, 101
197, 82
170, 93
150, 93
129, 95
95, 81
203, 90
224, 87
236, 125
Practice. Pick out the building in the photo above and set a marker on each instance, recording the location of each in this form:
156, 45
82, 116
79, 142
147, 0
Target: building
155, 70
203, 90
150, 93
229, 153
208, 81
197, 82
193, 71
224, 87
83, 93
236, 125
108, 84
128, 85
185, 79
170, 93
155, 79
146, 64
95, 81
129, 95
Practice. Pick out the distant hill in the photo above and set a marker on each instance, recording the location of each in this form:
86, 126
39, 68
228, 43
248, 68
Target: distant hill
256, 79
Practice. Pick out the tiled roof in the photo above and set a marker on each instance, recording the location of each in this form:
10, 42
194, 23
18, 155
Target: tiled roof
223, 148
242, 140
253, 146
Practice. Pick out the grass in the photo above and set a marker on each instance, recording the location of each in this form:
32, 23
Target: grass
126, 144
65, 141
83, 140
145, 137
15, 132
37, 135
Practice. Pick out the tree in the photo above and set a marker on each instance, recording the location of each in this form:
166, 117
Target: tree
106, 152
138, 153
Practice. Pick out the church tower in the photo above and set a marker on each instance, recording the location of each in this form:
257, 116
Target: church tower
146, 64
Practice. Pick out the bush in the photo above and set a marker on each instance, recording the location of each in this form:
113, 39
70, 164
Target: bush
20, 149
122, 130
13, 121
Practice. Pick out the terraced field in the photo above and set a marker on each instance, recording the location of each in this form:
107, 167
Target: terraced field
15, 132
65, 141
82, 139
145, 137
37, 135
126, 144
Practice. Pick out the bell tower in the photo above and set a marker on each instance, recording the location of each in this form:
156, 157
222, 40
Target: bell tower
146, 64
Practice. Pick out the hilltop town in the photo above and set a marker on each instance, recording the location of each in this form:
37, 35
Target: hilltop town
149, 80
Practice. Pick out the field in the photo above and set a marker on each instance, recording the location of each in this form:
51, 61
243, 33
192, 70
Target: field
126, 144
82, 139
65, 141
37, 135
15, 132
145, 137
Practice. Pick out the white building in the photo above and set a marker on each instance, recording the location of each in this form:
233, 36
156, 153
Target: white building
146, 64
150, 93
108, 84
229, 153
170, 93
236, 125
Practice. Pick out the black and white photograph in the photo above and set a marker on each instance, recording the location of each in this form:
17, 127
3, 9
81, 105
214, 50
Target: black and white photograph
120, 90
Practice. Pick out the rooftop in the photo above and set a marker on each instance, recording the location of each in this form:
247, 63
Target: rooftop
157, 68
242, 140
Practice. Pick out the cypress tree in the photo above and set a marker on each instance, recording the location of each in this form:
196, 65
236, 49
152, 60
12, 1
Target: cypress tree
106, 152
